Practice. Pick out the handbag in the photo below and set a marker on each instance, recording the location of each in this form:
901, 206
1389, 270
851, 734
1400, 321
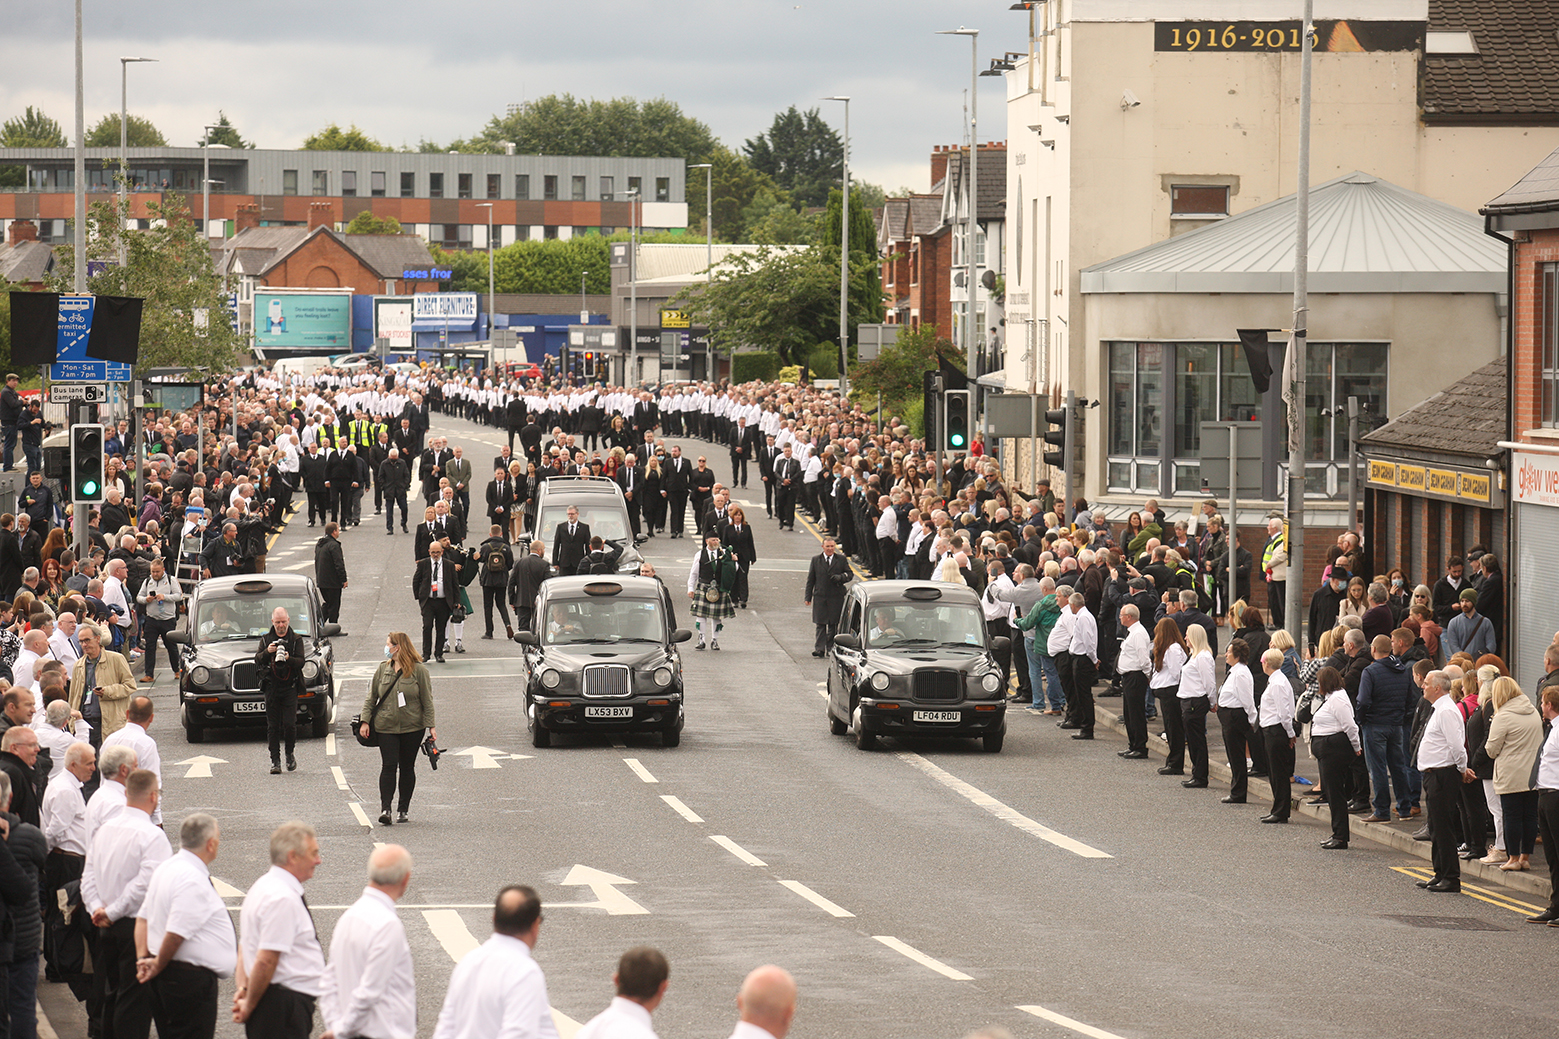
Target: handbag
372, 739
457, 615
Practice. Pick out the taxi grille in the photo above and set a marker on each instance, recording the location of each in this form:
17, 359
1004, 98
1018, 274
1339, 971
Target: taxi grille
605, 680
933, 684
246, 677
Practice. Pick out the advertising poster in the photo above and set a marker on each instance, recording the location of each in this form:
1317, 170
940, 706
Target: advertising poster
321, 321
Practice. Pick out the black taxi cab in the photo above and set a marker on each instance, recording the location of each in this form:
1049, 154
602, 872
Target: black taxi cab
912, 659
601, 657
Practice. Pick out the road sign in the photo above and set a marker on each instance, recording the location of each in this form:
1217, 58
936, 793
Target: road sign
90, 392
71, 363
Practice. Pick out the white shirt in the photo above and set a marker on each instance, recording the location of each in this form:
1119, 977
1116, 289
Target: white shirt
1277, 703
1061, 634
1198, 677
497, 992
888, 525
114, 595
181, 899
1085, 636
64, 650
1336, 715
622, 1019
64, 815
1239, 690
1547, 762
134, 736
57, 742
108, 802
1169, 675
746, 1030
1136, 652
120, 862
22, 668
274, 918
992, 605
369, 986
1445, 738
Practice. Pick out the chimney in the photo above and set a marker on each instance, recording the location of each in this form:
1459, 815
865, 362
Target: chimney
21, 231
938, 163
246, 216
321, 215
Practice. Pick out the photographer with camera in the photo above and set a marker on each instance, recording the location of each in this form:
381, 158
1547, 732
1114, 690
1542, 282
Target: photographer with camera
398, 707
280, 661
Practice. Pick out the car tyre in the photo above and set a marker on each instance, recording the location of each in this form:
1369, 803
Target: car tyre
194, 733
993, 742
863, 740
671, 736
539, 736
835, 726
320, 725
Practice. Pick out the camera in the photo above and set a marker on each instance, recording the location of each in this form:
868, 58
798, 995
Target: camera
430, 748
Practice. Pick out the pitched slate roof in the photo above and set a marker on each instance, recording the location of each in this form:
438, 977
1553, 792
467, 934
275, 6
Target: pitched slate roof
925, 215
1514, 77
892, 225
1536, 192
387, 255
255, 250
1466, 419
993, 180
24, 263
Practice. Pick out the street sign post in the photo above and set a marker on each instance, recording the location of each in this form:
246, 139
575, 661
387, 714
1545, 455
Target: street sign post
71, 363
86, 392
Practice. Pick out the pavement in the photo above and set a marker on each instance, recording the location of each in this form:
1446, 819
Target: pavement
924, 889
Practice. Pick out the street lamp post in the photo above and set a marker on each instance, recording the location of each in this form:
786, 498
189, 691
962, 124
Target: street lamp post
124, 145
844, 257
633, 284
489, 207
709, 257
584, 309
205, 183
972, 191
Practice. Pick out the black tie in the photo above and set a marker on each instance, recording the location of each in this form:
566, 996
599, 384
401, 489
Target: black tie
307, 910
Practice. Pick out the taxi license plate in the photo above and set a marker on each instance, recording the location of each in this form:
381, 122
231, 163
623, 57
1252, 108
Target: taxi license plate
608, 712
938, 716
249, 707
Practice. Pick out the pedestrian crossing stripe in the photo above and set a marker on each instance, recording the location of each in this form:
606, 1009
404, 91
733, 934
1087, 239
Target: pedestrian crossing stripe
1482, 894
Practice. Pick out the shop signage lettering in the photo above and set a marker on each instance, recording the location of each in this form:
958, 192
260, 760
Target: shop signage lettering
432, 274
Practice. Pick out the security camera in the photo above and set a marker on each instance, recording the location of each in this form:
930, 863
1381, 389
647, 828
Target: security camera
1129, 100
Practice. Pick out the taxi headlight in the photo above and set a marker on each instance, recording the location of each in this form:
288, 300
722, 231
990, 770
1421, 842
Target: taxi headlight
200, 675
310, 670
990, 683
880, 681
550, 678
663, 676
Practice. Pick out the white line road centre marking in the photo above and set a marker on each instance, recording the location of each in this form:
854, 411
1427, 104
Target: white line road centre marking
1007, 815
816, 899
458, 941
335, 770
1067, 1022
681, 809
224, 889
299, 566
639, 770
921, 958
362, 817
330, 744
739, 851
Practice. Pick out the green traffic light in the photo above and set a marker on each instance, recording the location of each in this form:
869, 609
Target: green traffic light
957, 440
90, 487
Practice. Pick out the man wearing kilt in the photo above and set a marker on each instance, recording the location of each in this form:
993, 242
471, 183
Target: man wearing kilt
709, 584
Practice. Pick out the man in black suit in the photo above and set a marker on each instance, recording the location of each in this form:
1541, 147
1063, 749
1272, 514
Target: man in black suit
514, 415
787, 478
406, 441
525, 581
530, 441
341, 467
428, 532
766, 457
744, 444
500, 499
826, 580
570, 543
435, 588
646, 415
631, 479
449, 521
674, 480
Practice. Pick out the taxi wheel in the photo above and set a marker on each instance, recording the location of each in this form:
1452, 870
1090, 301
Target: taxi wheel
194, 734
539, 736
863, 740
835, 726
993, 743
670, 736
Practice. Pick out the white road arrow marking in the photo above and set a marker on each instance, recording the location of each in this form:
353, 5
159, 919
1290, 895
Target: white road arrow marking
224, 889
604, 886
200, 767
481, 757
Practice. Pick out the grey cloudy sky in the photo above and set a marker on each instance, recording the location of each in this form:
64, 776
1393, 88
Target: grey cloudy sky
405, 71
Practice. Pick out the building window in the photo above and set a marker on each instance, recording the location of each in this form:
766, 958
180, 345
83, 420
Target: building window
522, 233
522, 186
1548, 340
435, 185
348, 183
578, 194
1199, 200
289, 182
549, 232
408, 185
376, 184
662, 189
1338, 371
464, 182
979, 247
494, 185
635, 186
321, 182
607, 183
454, 236
549, 187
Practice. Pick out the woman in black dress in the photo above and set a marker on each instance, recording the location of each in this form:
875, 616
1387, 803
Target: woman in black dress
654, 497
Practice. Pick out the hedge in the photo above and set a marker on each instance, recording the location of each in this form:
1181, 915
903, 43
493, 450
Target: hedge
759, 365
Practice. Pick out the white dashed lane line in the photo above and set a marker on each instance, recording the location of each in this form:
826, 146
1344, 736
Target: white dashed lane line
739, 851
1067, 1022
681, 809
335, 770
831, 908
362, 816
639, 770
921, 958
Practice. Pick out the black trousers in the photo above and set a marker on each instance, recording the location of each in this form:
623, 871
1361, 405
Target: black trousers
152, 632
1084, 674
392, 498
1064, 670
1548, 827
999, 628
1475, 818
435, 614
825, 637
330, 612
281, 1014
787, 506
281, 721
1019, 655
1334, 755
740, 588
738, 470
1277, 592
127, 1005
676, 505
184, 1002
1193, 719
398, 751
633, 514
319, 505
1134, 707
60, 869
1280, 768
768, 495
1174, 726
492, 594
1237, 739
1442, 795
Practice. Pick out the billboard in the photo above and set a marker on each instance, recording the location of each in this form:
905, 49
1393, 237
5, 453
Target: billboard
295, 319
392, 321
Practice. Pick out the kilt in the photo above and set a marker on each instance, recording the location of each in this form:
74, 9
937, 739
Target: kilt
703, 609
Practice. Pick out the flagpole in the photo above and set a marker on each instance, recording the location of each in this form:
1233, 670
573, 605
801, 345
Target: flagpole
1294, 360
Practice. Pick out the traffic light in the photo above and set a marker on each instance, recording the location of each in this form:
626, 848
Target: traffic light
1058, 432
86, 463
956, 403
930, 389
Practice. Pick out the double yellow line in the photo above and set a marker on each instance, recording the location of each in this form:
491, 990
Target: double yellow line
1482, 894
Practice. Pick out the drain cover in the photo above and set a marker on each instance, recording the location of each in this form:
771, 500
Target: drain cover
1447, 923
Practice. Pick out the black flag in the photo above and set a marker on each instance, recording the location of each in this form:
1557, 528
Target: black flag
1254, 340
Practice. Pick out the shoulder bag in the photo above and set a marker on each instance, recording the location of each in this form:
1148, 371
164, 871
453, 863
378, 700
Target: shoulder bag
372, 739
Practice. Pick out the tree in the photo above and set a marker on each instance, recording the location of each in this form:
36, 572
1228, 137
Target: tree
566, 125
224, 133
366, 223
865, 302
545, 266
802, 153
169, 266
334, 139
770, 219
872, 196
897, 371
139, 132
32, 130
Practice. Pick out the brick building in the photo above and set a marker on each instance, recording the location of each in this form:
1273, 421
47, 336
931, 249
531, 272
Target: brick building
24, 261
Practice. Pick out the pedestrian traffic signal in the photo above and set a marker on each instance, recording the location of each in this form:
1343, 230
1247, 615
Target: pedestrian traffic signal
956, 403
1058, 432
86, 463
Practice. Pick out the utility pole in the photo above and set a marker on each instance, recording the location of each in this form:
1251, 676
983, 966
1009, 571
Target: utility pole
1296, 361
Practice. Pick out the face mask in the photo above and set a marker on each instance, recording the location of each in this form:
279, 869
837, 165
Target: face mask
1396, 582
389, 651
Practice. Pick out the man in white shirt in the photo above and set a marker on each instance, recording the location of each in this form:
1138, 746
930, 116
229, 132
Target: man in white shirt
641, 980
63, 820
63, 642
55, 735
1442, 760
498, 989
35, 646
138, 718
1275, 718
184, 938
1058, 646
766, 1003
280, 965
1084, 651
1134, 665
369, 987
115, 764
115, 572
120, 861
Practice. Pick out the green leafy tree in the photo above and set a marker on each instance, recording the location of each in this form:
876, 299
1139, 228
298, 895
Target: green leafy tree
623, 126
168, 266
872, 196
897, 371
770, 219
334, 139
366, 223
5, 331
222, 132
32, 130
865, 297
139, 133
736, 184
546, 266
801, 152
